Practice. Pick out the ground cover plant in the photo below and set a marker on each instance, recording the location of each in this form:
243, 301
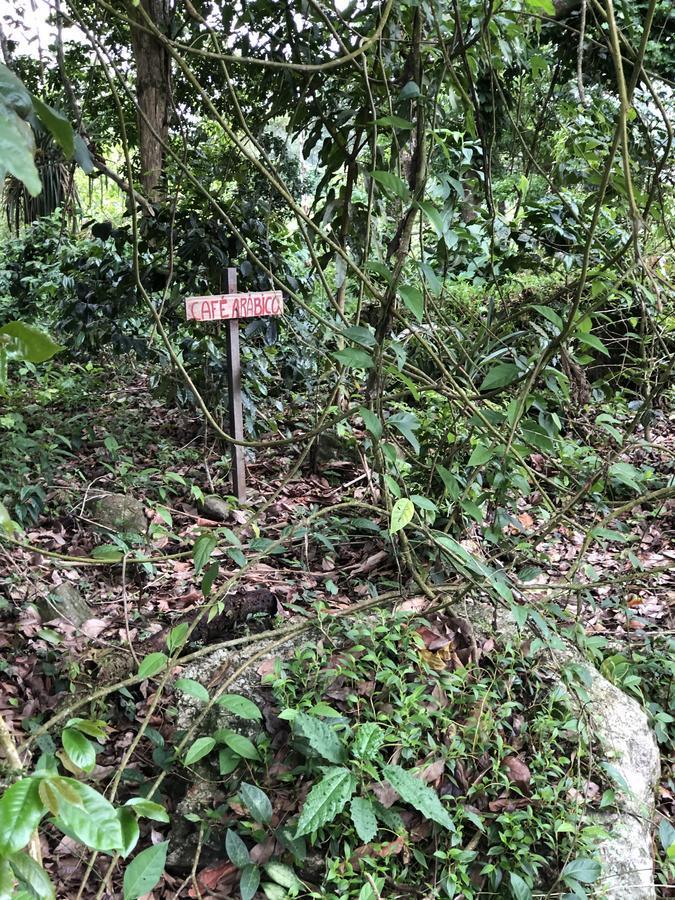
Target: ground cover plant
462, 419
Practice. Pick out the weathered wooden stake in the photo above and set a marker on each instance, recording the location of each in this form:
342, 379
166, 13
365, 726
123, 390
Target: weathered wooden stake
236, 428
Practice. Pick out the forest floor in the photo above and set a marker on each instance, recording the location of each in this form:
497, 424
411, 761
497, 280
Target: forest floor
126, 441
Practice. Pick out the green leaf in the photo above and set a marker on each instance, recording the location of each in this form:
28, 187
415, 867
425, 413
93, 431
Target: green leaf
590, 340
227, 761
192, 688
546, 6
152, 664
584, 870
237, 850
353, 358
82, 155
413, 299
519, 888
29, 343
148, 809
20, 812
395, 122
93, 821
6, 523
6, 880
57, 125
198, 750
202, 550
108, 552
326, 799
407, 423
257, 802
455, 549
368, 740
402, 512
320, 736
363, 817
17, 148
33, 875
80, 750
392, 183
282, 874
434, 217
360, 334
249, 882
241, 745
177, 636
130, 830
372, 422
145, 871
499, 376
409, 90
14, 93
550, 314
415, 792
240, 706
481, 455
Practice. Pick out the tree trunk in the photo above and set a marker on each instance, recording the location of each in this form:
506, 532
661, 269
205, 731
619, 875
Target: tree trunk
153, 91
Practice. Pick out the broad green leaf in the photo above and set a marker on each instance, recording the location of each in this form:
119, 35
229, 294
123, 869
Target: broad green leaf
363, 817
413, 299
584, 870
202, 550
395, 122
320, 736
434, 217
6, 880
407, 423
455, 549
198, 750
519, 888
360, 334
551, 315
499, 376
240, 706
79, 749
401, 514
414, 791
32, 874
107, 552
353, 358
14, 93
20, 812
227, 761
257, 802
17, 148
29, 343
424, 503
282, 874
82, 155
368, 740
152, 664
57, 124
372, 422
95, 728
236, 849
481, 454
192, 688
145, 871
241, 745
392, 183
249, 882
93, 821
130, 830
326, 799
409, 91
177, 636
6, 523
592, 341
148, 809
546, 6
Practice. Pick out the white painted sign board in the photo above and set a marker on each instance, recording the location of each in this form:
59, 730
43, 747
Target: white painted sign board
235, 306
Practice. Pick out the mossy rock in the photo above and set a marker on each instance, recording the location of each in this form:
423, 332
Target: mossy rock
120, 513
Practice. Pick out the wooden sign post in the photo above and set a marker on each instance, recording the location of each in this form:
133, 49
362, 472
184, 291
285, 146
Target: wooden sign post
232, 307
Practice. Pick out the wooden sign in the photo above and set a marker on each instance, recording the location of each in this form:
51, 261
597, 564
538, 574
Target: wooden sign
235, 306
232, 307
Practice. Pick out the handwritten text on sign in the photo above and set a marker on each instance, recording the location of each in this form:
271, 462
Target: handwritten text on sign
235, 306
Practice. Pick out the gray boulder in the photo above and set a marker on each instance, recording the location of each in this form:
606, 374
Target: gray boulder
120, 513
64, 602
